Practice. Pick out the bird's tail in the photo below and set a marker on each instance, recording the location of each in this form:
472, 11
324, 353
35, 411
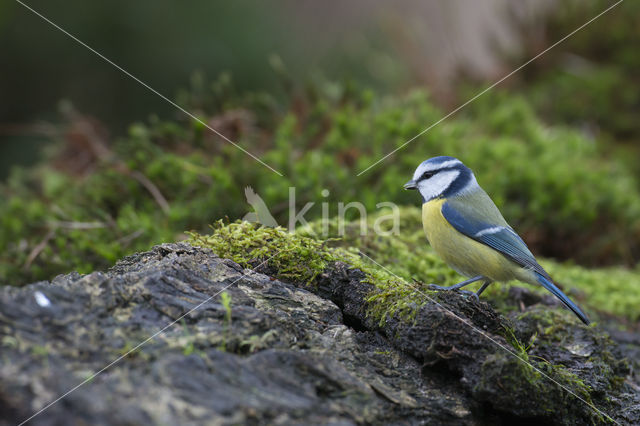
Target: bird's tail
546, 283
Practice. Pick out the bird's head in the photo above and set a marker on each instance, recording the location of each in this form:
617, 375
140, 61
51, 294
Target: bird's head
441, 177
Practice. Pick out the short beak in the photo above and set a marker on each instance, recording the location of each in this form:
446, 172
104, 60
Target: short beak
410, 185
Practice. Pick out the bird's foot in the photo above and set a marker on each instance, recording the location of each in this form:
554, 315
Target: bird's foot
438, 287
443, 288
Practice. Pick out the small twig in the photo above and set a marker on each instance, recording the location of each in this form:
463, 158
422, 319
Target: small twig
101, 150
128, 238
155, 192
96, 143
41, 129
77, 225
37, 249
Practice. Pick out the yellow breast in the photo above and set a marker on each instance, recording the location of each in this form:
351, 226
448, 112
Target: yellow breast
465, 255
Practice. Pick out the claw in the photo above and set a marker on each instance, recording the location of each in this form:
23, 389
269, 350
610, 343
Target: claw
470, 293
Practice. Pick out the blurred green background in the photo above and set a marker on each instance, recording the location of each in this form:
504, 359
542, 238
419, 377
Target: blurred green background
94, 166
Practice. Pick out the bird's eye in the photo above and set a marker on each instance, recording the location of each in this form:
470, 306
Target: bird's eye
426, 175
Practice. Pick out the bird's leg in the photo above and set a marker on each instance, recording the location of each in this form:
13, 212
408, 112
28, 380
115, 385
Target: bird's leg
457, 286
483, 288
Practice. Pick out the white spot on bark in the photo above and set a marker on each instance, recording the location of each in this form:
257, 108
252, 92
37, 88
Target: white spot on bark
41, 299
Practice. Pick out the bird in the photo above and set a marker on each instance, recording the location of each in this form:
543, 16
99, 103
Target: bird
466, 229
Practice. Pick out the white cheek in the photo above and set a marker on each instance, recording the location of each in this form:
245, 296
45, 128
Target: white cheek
436, 185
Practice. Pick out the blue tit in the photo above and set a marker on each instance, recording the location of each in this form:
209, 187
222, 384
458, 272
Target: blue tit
466, 229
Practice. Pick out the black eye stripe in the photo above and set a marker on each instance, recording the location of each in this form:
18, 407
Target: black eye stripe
426, 175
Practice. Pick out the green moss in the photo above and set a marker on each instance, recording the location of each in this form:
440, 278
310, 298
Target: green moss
188, 347
40, 351
130, 349
520, 348
289, 255
225, 299
255, 343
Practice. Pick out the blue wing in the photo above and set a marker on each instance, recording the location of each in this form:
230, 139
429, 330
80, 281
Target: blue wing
500, 236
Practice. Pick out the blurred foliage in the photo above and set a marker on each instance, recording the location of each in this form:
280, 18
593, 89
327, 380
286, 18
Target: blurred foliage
95, 201
591, 80
161, 42
158, 41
